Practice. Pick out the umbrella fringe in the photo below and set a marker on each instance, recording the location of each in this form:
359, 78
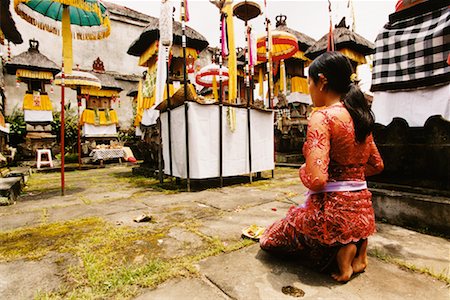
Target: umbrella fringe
53, 26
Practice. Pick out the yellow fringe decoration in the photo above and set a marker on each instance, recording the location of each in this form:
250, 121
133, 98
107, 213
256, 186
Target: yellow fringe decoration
45, 103
22, 73
99, 93
2, 37
88, 117
353, 55
300, 85
67, 41
71, 82
105, 27
232, 61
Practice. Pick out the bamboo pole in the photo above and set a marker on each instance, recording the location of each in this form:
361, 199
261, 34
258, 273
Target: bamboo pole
186, 103
220, 107
249, 92
169, 119
62, 128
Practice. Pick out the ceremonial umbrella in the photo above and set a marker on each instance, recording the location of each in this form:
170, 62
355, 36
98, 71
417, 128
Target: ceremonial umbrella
81, 19
77, 80
205, 77
284, 45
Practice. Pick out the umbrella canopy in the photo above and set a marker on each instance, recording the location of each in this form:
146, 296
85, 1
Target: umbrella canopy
284, 45
151, 34
205, 77
78, 78
8, 28
32, 60
246, 10
344, 38
88, 18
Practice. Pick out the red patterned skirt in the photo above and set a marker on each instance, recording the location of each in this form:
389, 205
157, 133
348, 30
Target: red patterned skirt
317, 229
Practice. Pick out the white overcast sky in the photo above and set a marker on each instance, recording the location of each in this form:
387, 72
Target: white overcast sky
310, 17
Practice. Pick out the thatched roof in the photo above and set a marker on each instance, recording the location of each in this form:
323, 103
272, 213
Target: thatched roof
304, 41
343, 38
32, 60
128, 13
107, 80
7, 25
151, 33
133, 92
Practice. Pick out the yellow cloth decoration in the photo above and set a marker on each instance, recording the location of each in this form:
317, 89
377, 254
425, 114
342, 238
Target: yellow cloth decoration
276, 88
146, 103
175, 50
301, 55
29, 104
261, 82
139, 105
67, 41
214, 88
232, 62
99, 93
300, 85
104, 117
353, 55
22, 73
282, 76
145, 57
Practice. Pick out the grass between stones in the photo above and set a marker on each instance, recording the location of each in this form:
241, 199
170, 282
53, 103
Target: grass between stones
380, 254
111, 261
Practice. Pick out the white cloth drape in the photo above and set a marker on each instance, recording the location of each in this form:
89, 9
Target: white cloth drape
414, 106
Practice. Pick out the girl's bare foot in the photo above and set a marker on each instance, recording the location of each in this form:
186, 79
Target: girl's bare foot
344, 259
360, 261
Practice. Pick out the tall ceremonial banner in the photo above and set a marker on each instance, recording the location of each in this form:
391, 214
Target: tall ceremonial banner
232, 61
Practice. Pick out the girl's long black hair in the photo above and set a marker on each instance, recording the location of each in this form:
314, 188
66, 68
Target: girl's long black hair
338, 71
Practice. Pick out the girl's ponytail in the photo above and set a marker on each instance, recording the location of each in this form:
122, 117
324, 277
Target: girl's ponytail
359, 110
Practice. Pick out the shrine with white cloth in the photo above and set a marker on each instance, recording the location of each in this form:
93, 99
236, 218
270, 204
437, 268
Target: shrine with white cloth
204, 157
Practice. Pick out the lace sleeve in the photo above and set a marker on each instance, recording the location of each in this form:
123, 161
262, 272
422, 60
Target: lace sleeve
375, 163
314, 173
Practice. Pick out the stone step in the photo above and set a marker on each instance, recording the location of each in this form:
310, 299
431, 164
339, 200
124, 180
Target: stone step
413, 210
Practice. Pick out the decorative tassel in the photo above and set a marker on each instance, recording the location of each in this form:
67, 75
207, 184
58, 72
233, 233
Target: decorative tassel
214, 88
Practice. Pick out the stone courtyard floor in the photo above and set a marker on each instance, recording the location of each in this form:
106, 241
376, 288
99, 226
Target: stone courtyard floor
86, 244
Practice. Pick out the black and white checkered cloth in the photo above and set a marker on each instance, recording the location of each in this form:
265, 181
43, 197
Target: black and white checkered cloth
413, 47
